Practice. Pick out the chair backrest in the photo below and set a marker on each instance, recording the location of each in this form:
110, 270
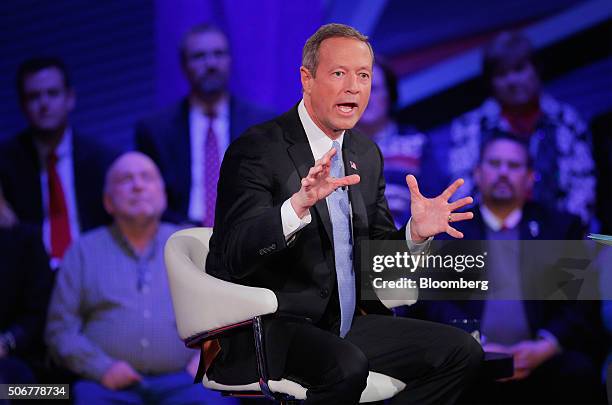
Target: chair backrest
203, 302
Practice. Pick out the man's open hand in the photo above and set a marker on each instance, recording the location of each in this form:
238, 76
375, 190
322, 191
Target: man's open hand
318, 184
431, 216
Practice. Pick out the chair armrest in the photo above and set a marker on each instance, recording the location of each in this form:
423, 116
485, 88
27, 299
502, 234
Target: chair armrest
213, 334
203, 302
390, 304
392, 299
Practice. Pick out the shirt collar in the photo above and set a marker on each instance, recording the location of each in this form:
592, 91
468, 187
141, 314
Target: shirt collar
320, 143
221, 108
146, 255
62, 150
496, 224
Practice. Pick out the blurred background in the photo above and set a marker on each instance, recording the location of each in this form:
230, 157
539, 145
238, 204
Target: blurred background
124, 63
124, 60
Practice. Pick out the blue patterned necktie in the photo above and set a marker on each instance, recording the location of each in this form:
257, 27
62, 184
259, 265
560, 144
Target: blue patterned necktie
339, 211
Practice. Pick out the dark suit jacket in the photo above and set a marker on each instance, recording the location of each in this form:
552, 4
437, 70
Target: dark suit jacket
25, 287
261, 170
572, 323
165, 137
20, 178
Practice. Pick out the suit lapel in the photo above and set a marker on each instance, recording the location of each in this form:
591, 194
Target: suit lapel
303, 161
237, 113
79, 160
30, 175
351, 166
301, 155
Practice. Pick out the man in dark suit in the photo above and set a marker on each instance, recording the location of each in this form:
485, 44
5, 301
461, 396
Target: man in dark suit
187, 140
297, 196
25, 286
52, 175
552, 342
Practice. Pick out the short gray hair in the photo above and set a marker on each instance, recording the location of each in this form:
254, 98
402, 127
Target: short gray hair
310, 54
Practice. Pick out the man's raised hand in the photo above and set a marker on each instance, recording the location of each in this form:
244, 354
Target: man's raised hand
318, 184
431, 216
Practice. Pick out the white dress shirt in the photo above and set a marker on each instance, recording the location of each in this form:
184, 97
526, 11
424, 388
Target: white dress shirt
496, 224
198, 129
65, 170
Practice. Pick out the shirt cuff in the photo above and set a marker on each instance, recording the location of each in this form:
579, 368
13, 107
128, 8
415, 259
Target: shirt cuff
98, 368
416, 248
290, 220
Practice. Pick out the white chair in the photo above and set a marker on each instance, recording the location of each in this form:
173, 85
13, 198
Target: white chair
222, 306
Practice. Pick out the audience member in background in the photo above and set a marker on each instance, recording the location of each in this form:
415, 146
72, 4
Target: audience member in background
559, 142
605, 258
111, 319
188, 140
553, 342
52, 175
601, 128
25, 285
401, 145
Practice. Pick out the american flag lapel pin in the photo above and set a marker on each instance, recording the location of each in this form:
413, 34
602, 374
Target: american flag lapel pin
353, 165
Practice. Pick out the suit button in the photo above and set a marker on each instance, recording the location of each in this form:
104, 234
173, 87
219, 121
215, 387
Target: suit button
324, 293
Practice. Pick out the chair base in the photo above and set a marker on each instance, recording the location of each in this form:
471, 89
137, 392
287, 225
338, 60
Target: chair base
379, 387
259, 395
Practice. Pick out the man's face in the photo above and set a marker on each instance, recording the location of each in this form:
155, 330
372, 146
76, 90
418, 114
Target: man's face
206, 62
46, 102
378, 107
339, 93
503, 174
135, 190
516, 85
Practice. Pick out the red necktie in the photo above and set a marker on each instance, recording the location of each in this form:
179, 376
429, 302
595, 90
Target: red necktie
58, 210
211, 171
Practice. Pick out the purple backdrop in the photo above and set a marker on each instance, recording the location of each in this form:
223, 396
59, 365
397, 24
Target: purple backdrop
266, 38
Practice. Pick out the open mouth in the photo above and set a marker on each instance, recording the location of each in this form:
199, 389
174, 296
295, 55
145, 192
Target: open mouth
347, 108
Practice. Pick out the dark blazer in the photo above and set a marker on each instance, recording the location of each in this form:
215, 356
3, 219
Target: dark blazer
570, 322
25, 288
165, 137
261, 170
20, 178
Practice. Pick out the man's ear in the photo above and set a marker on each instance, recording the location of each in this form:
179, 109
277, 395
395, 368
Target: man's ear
306, 78
108, 204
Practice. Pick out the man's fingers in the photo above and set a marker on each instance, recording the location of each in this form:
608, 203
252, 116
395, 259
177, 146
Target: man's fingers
135, 376
460, 203
413, 186
327, 157
346, 180
450, 190
316, 169
521, 363
461, 216
454, 233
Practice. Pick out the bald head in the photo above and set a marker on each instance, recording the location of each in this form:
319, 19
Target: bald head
134, 189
